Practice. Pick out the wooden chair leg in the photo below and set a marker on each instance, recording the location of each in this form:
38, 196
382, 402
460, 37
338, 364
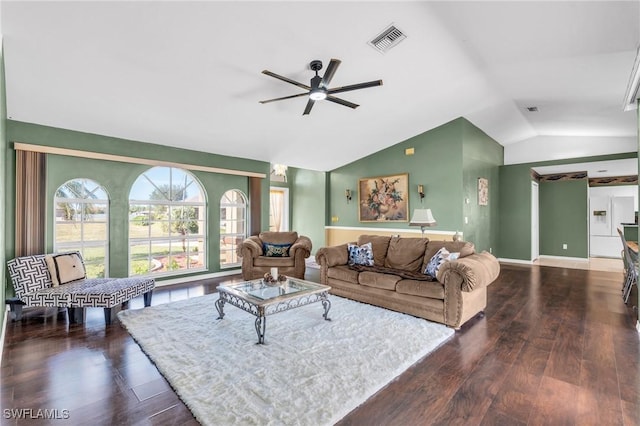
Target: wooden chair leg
15, 306
108, 315
76, 315
147, 298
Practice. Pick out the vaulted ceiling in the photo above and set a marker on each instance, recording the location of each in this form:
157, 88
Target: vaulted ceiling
188, 74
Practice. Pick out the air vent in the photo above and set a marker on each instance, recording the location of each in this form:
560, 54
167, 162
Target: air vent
387, 39
532, 109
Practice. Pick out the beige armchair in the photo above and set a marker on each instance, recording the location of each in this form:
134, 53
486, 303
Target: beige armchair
283, 250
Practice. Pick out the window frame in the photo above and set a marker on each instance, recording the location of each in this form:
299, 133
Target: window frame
170, 238
234, 235
81, 245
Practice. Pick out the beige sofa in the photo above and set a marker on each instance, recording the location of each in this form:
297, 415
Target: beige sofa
396, 280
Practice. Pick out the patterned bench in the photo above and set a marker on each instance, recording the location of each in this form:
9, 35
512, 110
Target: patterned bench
33, 286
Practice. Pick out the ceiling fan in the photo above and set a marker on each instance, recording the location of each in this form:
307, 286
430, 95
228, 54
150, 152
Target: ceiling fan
319, 87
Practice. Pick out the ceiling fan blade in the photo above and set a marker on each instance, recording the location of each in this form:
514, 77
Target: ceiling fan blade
354, 87
285, 79
331, 70
284, 97
307, 109
342, 102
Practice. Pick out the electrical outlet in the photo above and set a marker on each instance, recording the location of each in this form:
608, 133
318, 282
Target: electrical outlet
564, 247
334, 218
466, 220
490, 250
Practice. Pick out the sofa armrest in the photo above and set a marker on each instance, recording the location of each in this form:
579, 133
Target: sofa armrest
475, 271
302, 245
332, 256
328, 257
250, 248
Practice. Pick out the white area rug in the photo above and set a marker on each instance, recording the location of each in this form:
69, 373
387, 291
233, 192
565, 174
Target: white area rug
309, 372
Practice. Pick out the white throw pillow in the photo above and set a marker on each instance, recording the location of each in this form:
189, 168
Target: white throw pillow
65, 267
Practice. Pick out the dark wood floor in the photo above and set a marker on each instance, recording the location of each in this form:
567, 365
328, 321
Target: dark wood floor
555, 346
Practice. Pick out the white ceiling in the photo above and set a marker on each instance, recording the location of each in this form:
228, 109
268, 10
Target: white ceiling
188, 74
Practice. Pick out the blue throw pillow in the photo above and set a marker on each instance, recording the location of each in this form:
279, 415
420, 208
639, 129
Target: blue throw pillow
436, 261
360, 255
276, 250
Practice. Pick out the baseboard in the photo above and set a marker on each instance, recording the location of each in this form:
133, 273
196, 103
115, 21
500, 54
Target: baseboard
573, 259
5, 320
518, 261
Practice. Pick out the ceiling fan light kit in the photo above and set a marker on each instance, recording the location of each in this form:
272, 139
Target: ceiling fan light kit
319, 86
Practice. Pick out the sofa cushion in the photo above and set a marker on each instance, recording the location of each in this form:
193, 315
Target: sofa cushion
343, 273
378, 280
278, 237
431, 289
406, 253
379, 245
276, 250
360, 255
274, 262
65, 267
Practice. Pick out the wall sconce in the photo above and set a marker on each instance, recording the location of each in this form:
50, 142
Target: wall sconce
347, 193
421, 192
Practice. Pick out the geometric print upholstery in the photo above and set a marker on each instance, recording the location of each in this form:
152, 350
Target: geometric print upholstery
110, 292
33, 286
90, 293
29, 273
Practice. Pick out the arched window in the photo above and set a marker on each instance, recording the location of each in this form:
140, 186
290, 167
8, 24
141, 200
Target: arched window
82, 223
167, 223
233, 226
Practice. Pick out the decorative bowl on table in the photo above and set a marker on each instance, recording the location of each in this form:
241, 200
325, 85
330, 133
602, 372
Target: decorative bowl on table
270, 280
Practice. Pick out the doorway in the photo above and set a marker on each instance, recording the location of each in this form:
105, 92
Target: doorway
535, 221
278, 209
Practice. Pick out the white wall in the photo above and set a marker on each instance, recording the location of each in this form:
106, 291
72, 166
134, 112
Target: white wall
544, 148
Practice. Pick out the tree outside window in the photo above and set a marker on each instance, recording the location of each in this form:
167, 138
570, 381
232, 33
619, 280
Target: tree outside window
82, 223
166, 223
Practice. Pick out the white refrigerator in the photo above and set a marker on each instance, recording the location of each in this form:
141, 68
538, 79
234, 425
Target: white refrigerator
606, 214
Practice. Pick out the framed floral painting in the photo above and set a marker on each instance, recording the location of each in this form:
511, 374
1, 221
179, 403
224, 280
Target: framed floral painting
383, 198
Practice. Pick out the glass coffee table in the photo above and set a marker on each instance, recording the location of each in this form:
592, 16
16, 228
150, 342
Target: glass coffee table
262, 299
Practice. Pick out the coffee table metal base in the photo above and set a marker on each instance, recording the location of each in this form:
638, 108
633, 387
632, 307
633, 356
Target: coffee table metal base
261, 312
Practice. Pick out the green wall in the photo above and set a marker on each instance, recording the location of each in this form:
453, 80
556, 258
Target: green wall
564, 218
482, 157
514, 238
448, 161
436, 164
308, 204
118, 177
3, 185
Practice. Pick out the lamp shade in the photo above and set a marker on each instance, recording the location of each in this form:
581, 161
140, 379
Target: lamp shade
422, 217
